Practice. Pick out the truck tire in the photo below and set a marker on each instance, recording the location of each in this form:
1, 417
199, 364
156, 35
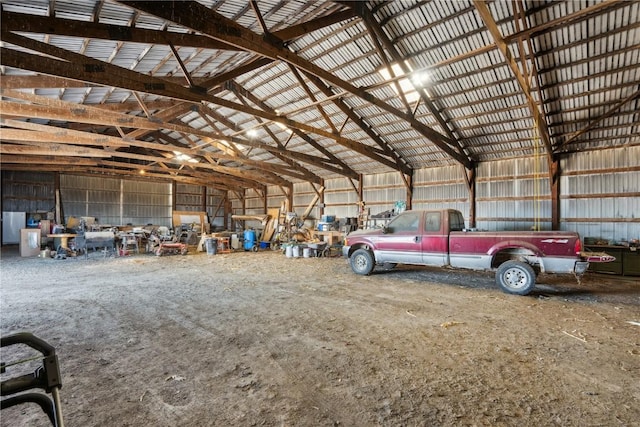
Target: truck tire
515, 277
362, 262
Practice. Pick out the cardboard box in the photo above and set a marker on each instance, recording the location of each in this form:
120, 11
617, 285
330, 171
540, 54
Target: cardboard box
29, 242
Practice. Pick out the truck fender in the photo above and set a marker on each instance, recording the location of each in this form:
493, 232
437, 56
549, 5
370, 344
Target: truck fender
525, 249
514, 244
357, 246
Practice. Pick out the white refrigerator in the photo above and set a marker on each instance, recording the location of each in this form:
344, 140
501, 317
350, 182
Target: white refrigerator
12, 223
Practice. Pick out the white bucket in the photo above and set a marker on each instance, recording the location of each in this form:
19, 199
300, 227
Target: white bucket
306, 252
296, 251
288, 252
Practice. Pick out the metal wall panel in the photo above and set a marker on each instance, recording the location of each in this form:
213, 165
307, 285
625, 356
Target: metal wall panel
441, 188
116, 202
511, 194
189, 197
28, 192
215, 207
600, 194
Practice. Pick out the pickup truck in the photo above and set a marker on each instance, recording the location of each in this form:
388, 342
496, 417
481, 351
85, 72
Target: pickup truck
439, 238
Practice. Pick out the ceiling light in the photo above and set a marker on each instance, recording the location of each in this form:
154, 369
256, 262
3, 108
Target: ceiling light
405, 85
252, 133
184, 158
420, 78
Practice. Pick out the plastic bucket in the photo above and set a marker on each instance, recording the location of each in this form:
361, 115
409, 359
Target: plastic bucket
288, 252
306, 252
296, 251
212, 246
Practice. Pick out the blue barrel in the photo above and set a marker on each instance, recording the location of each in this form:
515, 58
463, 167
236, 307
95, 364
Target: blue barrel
249, 239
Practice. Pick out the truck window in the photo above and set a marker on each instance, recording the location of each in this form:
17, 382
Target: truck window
432, 222
408, 221
456, 221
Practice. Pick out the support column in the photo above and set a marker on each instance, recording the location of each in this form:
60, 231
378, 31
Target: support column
470, 179
408, 182
554, 182
226, 209
265, 199
321, 201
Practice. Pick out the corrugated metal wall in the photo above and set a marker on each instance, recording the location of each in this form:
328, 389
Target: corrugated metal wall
189, 197
441, 188
116, 201
253, 202
511, 194
340, 198
28, 192
275, 198
196, 198
382, 191
600, 194
215, 207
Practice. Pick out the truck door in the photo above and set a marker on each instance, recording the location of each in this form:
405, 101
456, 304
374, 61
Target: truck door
434, 240
402, 241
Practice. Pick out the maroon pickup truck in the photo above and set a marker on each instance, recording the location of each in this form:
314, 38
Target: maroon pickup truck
439, 238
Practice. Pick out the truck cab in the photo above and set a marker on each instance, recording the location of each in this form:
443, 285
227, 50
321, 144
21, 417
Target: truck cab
413, 237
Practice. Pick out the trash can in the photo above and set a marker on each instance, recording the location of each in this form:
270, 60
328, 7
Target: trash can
212, 245
249, 240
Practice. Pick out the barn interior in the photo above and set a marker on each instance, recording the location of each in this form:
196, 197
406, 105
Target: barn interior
179, 178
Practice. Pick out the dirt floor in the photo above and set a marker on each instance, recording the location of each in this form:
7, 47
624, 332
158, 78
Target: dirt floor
261, 339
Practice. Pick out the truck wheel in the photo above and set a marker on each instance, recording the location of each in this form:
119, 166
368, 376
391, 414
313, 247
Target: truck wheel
362, 262
515, 277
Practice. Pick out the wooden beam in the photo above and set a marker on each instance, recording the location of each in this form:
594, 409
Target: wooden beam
501, 44
594, 122
200, 18
331, 163
378, 33
110, 75
51, 150
29, 23
401, 164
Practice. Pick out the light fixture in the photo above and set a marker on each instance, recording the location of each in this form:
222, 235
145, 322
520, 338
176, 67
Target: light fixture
420, 78
184, 158
406, 87
252, 133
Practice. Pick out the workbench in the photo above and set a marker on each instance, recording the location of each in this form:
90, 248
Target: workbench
627, 261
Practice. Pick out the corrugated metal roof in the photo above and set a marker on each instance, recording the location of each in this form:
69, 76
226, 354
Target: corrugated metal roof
580, 61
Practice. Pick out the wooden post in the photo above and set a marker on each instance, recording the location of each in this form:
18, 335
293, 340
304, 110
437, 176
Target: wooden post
265, 198
408, 182
321, 211
174, 196
58, 213
470, 179
554, 182
290, 197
